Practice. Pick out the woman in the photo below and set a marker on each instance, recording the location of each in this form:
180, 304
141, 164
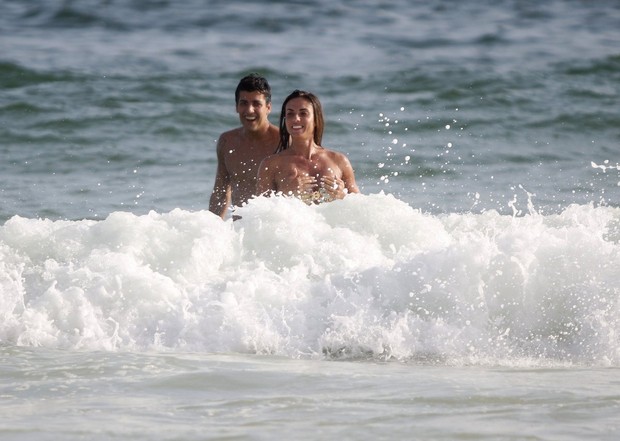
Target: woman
301, 166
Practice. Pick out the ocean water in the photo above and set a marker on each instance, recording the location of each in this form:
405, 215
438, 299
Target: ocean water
470, 292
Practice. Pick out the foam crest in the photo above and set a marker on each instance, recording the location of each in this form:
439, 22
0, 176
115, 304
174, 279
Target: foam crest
368, 276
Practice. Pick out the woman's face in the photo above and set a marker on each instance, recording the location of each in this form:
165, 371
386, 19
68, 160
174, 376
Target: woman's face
299, 117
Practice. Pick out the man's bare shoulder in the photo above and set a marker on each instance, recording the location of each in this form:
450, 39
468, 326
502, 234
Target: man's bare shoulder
271, 135
230, 135
273, 130
227, 140
239, 135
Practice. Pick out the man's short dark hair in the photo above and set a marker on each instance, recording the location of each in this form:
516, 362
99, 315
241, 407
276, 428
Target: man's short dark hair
253, 83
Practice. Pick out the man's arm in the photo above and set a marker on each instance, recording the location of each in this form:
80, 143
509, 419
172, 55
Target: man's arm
220, 197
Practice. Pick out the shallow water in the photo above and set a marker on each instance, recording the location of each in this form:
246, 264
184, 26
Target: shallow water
200, 396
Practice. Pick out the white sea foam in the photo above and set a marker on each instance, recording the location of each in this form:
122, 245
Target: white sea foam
368, 276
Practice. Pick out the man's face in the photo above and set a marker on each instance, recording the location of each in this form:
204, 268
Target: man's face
253, 110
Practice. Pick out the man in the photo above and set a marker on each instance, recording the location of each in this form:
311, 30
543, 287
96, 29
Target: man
241, 150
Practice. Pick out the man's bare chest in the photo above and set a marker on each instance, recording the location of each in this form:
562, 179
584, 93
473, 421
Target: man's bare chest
240, 162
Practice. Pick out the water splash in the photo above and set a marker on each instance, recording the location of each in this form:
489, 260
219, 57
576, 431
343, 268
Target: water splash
365, 277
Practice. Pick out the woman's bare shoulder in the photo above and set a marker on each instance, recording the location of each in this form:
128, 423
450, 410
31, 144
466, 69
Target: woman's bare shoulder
336, 156
272, 160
